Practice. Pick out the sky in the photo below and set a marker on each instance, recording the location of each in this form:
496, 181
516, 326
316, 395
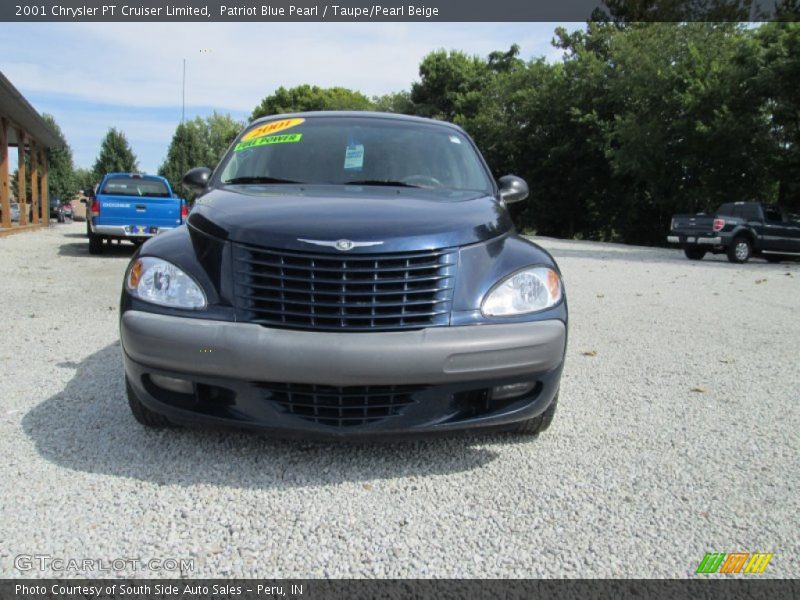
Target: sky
92, 76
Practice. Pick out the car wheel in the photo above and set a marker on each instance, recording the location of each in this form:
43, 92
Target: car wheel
694, 253
773, 259
95, 244
740, 250
141, 413
538, 424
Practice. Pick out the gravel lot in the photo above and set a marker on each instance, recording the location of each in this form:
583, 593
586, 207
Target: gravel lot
677, 435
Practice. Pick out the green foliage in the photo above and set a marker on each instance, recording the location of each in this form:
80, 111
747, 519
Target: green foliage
115, 155
307, 98
395, 102
198, 143
637, 122
778, 80
84, 179
60, 177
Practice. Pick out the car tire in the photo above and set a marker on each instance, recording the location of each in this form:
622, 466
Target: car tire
773, 259
95, 244
141, 413
536, 425
694, 253
740, 250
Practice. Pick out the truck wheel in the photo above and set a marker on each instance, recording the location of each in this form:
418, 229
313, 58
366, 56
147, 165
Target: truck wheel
538, 424
694, 253
141, 413
740, 250
95, 244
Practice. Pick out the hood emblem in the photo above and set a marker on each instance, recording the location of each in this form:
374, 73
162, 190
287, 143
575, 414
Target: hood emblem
342, 245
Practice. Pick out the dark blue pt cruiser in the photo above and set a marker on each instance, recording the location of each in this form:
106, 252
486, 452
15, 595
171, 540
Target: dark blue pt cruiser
346, 275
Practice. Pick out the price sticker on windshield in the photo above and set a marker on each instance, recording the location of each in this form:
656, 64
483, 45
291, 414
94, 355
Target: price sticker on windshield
354, 157
271, 127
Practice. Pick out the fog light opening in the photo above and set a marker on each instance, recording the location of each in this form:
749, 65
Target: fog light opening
512, 390
173, 384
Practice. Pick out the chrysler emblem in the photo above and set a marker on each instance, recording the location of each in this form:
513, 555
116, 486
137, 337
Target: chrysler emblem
344, 245
341, 245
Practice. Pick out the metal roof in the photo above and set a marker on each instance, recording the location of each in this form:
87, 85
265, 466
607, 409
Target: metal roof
19, 111
367, 114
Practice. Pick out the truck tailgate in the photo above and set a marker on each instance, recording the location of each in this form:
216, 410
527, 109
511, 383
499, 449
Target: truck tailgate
139, 210
692, 223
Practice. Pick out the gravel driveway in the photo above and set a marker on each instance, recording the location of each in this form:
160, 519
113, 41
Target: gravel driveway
677, 435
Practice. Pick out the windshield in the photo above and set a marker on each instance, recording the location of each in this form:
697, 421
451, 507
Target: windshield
135, 186
358, 151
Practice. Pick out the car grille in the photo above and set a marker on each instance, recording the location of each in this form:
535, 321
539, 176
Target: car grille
356, 292
340, 406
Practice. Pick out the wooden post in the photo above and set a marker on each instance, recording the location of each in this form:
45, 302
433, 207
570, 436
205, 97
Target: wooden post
22, 189
5, 204
45, 212
34, 182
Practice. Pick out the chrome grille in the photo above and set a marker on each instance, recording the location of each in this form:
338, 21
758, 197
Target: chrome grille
352, 292
340, 406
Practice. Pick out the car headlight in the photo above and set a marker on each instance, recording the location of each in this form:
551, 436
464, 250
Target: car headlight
160, 282
526, 291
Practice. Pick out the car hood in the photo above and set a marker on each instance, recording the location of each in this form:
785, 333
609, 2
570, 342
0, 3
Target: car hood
400, 219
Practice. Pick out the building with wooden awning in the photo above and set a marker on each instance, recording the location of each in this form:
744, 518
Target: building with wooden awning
22, 127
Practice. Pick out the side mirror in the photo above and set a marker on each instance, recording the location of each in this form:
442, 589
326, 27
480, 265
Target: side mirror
513, 189
197, 178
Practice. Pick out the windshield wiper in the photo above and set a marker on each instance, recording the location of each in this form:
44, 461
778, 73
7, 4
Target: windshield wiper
386, 182
258, 179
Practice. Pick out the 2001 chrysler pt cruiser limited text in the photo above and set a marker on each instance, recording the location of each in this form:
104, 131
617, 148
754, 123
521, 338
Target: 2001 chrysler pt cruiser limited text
346, 274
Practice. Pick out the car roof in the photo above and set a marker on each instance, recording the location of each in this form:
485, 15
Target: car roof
135, 175
359, 114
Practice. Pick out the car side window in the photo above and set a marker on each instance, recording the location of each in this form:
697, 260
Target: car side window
772, 215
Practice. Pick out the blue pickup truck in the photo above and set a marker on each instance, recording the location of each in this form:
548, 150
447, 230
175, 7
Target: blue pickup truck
132, 206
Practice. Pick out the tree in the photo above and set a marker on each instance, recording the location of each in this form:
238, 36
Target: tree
84, 179
394, 102
116, 155
198, 143
778, 81
61, 170
306, 98
450, 85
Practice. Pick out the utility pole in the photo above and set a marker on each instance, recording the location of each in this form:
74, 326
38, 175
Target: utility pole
183, 93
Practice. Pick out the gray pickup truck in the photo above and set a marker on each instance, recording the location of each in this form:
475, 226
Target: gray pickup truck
740, 230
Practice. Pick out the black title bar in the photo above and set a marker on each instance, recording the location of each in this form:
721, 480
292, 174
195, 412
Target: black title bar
396, 10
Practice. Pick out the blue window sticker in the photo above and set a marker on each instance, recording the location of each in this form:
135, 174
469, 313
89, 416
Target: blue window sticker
354, 157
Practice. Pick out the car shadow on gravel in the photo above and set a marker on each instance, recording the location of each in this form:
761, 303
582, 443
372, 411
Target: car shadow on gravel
81, 249
88, 427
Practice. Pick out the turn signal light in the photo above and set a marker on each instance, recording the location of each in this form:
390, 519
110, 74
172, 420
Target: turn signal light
719, 224
96, 208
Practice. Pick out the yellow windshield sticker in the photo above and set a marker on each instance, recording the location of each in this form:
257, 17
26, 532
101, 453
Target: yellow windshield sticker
284, 138
271, 127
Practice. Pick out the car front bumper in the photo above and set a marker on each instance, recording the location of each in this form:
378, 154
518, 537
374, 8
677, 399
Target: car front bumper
445, 375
